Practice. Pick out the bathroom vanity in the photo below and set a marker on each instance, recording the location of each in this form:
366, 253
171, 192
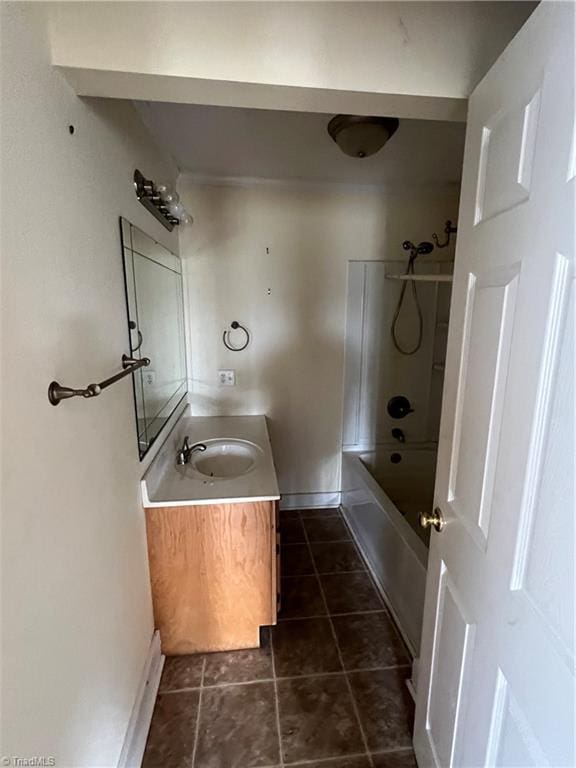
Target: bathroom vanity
212, 533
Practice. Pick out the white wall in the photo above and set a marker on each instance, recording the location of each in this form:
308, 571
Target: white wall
76, 608
345, 46
425, 56
293, 369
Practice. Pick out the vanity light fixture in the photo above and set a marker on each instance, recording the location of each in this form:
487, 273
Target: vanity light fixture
162, 201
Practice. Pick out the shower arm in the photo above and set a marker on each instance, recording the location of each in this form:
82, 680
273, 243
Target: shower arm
448, 230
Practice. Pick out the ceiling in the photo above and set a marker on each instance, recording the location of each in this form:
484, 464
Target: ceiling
230, 142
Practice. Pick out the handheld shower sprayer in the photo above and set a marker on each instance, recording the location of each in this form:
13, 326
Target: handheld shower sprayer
421, 249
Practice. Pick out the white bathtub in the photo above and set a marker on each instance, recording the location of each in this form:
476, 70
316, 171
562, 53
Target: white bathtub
374, 490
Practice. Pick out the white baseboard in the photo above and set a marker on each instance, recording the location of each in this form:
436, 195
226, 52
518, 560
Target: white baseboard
310, 500
139, 724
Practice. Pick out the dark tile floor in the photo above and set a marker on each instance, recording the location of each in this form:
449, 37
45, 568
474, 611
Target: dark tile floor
325, 690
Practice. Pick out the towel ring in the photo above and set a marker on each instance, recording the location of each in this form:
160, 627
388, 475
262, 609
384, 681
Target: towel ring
226, 337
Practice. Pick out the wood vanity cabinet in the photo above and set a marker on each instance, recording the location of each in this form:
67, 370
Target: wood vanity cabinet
214, 572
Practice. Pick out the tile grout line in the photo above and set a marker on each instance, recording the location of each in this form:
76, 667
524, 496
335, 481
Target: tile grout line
379, 591
236, 683
392, 750
297, 514
323, 615
395, 628
326, 760
276, 700
348, 540
197, 729
348, 684
327, 573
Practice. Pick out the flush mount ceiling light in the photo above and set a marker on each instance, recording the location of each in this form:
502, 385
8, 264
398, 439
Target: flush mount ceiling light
359, 136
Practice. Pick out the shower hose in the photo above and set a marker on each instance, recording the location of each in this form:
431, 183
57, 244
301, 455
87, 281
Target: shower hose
393, 328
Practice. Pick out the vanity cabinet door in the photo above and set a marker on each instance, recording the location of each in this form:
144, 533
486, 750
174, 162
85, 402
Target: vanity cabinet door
214, 574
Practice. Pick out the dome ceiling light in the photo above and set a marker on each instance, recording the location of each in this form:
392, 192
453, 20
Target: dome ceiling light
359, 136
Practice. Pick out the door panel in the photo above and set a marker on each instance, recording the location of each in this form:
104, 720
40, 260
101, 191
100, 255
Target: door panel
488, 328
506, 158
496, 681
544, 560
512, 741
452, 649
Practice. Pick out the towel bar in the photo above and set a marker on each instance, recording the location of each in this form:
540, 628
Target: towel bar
56, 392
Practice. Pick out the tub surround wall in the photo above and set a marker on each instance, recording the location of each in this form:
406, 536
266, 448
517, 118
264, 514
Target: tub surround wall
275, 257
375, 370
76, 609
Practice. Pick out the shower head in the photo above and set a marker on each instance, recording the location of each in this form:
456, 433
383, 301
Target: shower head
425, 247
422, 248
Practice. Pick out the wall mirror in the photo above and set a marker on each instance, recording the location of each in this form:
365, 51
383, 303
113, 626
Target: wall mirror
154, 299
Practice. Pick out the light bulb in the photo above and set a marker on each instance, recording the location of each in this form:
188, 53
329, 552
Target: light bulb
167, 193
186, 219
171, 196
176, 209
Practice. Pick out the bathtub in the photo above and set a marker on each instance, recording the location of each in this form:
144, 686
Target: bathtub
382, 493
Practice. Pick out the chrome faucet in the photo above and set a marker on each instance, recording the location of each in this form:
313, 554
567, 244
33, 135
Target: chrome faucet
184, 453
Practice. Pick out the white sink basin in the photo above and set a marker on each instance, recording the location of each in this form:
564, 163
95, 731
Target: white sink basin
225, 458
236, 467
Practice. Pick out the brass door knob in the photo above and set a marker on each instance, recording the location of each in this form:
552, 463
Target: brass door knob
433, 520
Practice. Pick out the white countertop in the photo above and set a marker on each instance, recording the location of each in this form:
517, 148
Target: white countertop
166, 484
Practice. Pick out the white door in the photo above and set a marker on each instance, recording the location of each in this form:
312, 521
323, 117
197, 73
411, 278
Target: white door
496, 682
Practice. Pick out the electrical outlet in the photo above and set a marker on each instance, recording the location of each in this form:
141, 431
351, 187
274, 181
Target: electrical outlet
149, 378
227, 378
